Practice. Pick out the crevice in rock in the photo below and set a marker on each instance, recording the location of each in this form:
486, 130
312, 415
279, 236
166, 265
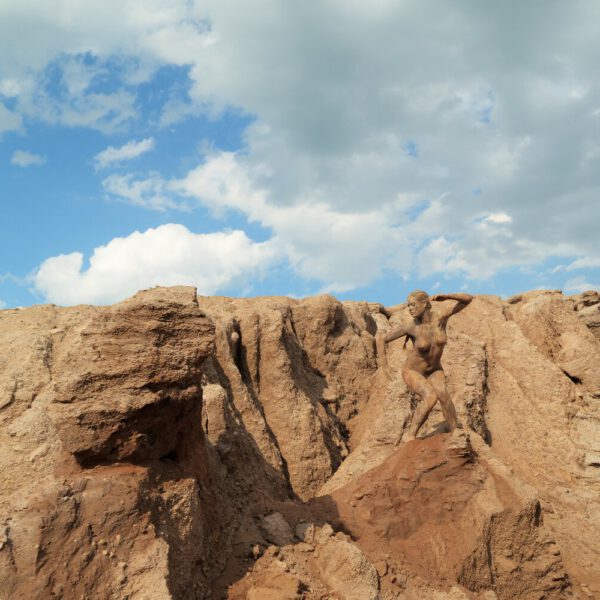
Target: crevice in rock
312, 383
250, 377
219, 375
478, 422
172, 456
573, 378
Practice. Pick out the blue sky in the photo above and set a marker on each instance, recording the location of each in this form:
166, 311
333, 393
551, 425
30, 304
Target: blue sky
260, 148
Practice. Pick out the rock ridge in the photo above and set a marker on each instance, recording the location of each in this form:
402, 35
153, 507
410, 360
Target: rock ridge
181, 446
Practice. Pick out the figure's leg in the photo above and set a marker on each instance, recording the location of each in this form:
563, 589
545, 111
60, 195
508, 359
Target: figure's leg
417, 383
438, 381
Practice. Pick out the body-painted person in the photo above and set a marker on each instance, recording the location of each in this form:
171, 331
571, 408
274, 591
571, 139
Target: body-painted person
422, 370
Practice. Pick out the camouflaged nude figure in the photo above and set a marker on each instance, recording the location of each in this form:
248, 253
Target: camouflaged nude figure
422, 371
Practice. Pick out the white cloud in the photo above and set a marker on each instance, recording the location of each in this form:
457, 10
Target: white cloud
495, 221
9, 88
340, 142
577, 285
340, 92
151, 193
586, 262
499, 218
341, 249
345, 249
167, 255
52, 55
436, 255
9, 121
2, 304
222, 183
128, 151
106, 112
21, 158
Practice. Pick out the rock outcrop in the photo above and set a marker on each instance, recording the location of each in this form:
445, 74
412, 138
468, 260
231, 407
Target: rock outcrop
174, 446
587, 306
104, 492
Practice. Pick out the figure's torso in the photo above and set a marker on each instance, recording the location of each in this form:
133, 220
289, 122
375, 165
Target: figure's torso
428, 343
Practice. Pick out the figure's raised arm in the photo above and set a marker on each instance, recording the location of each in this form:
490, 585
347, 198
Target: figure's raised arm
462, 300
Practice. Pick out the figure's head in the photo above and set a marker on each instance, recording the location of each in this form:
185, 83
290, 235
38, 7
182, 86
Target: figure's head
418, 303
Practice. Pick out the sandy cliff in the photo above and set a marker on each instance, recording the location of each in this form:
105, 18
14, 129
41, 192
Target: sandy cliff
175, 446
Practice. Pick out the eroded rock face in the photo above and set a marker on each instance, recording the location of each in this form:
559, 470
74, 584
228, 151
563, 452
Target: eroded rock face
293, 373
180, 447
587, 307
129, 376
102, 458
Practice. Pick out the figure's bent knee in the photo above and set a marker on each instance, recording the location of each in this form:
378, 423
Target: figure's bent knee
411, 377
430, 398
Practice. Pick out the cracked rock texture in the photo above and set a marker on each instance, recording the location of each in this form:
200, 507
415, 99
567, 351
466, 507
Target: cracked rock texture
175, 446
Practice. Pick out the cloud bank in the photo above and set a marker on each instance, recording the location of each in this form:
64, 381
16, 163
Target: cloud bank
167, 255
384, 141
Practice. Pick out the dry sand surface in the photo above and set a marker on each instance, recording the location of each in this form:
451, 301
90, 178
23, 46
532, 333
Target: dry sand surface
184, 447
